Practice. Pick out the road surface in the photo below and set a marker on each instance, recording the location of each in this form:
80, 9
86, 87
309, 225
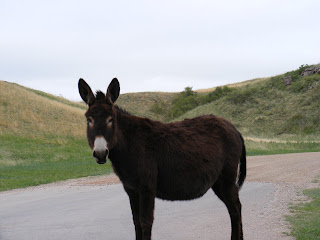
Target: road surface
95, 209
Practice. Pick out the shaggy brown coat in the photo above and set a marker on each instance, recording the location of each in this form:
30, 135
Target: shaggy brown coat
171, 161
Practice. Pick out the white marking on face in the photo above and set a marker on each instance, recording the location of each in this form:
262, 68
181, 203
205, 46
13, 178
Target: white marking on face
100, 144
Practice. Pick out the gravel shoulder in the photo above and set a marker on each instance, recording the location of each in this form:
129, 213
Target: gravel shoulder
290, 174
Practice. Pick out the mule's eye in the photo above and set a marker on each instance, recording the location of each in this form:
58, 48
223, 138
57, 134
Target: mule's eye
109, 121
90, 121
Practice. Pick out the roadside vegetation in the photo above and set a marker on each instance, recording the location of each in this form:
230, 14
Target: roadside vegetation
26, 161
255, 148
305, 220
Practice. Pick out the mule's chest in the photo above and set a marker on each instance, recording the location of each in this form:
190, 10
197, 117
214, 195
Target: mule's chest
129, 176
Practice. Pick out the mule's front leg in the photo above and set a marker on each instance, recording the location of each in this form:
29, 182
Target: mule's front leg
135, 206
146, 213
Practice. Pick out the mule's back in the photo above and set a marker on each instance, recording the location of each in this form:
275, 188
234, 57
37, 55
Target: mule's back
192, 154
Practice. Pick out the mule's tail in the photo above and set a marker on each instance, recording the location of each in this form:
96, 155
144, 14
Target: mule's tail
242, 165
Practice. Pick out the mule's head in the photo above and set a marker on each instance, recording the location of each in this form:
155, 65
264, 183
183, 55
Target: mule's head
101, 118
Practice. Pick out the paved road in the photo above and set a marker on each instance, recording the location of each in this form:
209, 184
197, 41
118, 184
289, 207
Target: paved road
81, 212
73, 211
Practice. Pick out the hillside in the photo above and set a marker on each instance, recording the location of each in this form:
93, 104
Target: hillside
25, 111
238, 84
268, 108
260, 107
28, 112
141, 104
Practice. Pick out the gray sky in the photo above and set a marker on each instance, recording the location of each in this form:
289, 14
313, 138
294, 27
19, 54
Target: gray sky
153, 45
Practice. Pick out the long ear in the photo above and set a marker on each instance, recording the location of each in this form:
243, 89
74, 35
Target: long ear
85, 92
113, 91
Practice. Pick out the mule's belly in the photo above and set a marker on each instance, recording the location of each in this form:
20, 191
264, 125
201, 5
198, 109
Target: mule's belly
183, 188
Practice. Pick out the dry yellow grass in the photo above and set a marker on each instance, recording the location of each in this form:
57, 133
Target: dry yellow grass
23, 112
239, 84
141, 103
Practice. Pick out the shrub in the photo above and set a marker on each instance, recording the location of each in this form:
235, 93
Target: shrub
305, 83
185, 101
216, 94
301, 68
242, 95
158, 108
188, 100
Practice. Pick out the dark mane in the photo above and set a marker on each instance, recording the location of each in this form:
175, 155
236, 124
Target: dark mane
100, 96
122, 110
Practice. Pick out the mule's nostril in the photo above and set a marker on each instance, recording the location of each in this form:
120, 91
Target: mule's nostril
100, 154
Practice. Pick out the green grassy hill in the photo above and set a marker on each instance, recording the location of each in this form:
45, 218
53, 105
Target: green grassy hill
267, 108
141, 104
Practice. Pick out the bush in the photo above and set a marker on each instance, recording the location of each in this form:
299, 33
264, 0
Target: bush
301, 68
185, 101
305, 83
158, 108
241, 96
188, 100
216, 94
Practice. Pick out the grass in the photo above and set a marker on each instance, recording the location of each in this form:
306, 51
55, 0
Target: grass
142, 104
268, 148
25, 113
32, 161
268, 108
305, 221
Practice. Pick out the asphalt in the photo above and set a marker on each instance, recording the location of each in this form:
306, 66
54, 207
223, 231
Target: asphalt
103, 212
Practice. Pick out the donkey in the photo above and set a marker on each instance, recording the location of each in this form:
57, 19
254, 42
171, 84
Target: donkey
170, 161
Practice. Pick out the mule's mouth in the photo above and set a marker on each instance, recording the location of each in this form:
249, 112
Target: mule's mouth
101, 161
101, 158
100, 150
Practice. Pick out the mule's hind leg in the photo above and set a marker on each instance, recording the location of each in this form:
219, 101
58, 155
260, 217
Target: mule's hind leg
229, 194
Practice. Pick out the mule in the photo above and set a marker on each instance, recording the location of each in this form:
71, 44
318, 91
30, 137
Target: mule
170, 161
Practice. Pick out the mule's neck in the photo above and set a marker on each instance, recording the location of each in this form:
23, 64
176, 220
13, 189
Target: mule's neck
132, 135
128, 123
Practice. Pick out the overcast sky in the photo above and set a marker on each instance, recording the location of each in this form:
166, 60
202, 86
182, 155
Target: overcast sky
153, 45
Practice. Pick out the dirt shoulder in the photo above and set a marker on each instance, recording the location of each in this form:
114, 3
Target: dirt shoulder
296, 168
290, 174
